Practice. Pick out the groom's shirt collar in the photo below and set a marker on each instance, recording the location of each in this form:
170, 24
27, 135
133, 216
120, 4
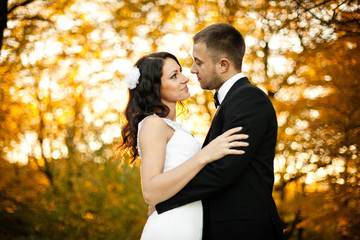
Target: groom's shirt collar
224, 89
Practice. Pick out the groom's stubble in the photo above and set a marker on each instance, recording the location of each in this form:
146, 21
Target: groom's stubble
213, 81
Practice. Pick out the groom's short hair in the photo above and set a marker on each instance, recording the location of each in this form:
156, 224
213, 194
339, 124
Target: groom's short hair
223, 40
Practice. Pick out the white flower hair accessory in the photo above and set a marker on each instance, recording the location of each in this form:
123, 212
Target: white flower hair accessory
132, 77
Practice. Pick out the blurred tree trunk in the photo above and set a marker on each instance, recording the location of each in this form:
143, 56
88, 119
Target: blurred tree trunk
4, 12
3, 20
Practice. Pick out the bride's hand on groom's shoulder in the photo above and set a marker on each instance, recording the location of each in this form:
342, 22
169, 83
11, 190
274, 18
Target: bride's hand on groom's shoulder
226, 144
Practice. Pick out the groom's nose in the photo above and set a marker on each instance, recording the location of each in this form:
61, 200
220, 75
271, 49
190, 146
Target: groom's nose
193, 69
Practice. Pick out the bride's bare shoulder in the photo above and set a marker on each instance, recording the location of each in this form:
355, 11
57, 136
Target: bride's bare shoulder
153, 123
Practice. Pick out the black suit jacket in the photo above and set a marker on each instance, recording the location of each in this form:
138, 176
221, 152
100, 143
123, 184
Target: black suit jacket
237, 190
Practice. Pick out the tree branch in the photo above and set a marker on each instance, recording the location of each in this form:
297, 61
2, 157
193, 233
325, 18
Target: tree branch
333, 20
34, 18
3, 20
19, 5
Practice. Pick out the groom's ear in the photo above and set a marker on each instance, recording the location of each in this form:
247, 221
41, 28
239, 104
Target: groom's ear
224, 65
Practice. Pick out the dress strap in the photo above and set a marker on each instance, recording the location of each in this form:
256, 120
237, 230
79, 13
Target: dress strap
172, 124
175, 125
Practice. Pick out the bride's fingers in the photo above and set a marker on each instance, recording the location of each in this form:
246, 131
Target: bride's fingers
238, 144
231, 131
235, 137
236, 152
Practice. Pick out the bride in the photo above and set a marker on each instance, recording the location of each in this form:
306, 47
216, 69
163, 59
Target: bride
170, 155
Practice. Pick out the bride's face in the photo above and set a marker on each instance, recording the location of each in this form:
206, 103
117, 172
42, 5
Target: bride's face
173, 83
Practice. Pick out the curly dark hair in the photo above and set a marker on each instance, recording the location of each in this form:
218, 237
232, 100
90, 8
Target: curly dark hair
144, 100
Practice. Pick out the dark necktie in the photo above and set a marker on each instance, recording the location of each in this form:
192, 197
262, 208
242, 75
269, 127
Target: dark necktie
217, 103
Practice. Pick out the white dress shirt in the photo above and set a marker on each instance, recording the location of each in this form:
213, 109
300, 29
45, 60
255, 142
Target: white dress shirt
224, 89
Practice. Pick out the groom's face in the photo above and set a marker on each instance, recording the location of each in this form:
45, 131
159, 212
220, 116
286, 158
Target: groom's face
204, 68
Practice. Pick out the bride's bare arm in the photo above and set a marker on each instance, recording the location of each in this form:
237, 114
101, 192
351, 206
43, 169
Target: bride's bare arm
158, 186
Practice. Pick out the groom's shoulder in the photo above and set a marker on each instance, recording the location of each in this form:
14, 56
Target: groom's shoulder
248, 88
247, 93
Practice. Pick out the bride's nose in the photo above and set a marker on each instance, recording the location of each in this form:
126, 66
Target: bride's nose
185, 79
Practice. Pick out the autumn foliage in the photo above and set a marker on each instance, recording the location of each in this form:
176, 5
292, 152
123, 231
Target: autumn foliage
62, 95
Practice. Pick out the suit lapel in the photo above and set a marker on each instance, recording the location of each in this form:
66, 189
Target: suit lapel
236, 85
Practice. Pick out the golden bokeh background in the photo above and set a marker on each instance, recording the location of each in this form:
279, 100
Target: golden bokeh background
63, 92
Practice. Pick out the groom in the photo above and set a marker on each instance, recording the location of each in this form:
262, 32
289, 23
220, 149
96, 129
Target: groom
236, 190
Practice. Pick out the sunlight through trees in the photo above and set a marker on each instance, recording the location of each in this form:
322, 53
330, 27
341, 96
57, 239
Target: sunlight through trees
62, 95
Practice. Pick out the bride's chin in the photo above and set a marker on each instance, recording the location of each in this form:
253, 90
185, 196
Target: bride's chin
187, 97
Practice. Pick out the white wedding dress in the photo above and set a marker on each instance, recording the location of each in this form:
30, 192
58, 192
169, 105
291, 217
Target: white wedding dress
183, 222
